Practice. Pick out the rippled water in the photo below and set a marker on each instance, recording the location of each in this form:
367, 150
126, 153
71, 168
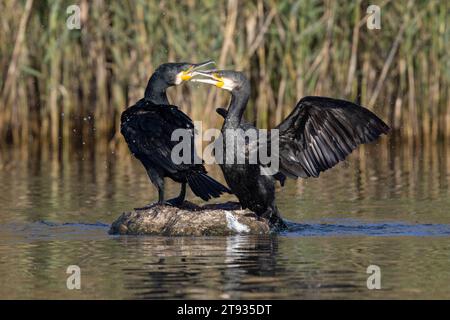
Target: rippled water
387, 205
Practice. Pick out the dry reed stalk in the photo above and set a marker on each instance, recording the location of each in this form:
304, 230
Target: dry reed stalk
9, 91
288, 49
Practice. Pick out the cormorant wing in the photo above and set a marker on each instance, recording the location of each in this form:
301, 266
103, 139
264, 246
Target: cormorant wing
321, 131
148, 128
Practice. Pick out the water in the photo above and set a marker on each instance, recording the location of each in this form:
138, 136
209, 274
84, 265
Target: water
387, 205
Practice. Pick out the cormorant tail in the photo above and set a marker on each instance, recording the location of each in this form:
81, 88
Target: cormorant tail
206, 187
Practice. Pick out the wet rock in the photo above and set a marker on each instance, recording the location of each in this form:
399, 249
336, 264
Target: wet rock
190, 220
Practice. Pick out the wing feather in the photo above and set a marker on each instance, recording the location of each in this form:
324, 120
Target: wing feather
320, 132
148, 128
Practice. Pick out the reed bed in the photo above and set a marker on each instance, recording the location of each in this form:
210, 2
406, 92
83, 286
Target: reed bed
68, 87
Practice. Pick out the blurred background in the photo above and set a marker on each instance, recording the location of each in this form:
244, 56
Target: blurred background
62, 158
62, 86
62, 90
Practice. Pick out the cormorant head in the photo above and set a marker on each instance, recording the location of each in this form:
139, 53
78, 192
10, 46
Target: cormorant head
175, 73
223, 79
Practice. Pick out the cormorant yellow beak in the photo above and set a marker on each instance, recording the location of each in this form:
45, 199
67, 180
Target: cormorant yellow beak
219, 80
186, 75
213, 78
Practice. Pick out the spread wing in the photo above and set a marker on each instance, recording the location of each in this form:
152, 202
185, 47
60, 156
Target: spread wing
320, 132
148, 128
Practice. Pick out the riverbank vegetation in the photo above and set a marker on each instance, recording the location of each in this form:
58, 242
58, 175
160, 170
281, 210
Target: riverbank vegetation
61, 86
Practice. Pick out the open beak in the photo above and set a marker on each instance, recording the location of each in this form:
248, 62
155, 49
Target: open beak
188, 74
210, 77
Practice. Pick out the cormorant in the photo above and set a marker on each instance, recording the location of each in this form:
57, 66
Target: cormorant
147, 127
318, 133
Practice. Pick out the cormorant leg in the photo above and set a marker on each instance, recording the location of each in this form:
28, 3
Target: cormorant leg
178, 201
161, 193
158, 181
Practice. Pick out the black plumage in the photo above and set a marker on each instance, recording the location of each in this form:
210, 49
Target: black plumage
147, 128
322, 131
318, 133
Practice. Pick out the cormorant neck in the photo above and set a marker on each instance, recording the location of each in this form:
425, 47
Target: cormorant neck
238, 103
156, 90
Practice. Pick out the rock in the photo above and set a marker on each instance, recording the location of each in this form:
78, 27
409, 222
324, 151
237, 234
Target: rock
190, 220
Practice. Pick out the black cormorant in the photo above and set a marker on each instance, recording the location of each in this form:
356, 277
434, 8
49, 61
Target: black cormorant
147, 127
318, 133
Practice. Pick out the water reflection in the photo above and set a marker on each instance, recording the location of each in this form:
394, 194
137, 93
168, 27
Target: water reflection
186, 268
386, 205
43, 184
247, 267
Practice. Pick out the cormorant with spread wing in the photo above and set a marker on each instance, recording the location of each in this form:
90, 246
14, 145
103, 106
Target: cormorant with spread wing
319, 133
147, 127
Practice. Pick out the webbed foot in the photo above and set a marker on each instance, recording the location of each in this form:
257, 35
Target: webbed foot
175, 202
